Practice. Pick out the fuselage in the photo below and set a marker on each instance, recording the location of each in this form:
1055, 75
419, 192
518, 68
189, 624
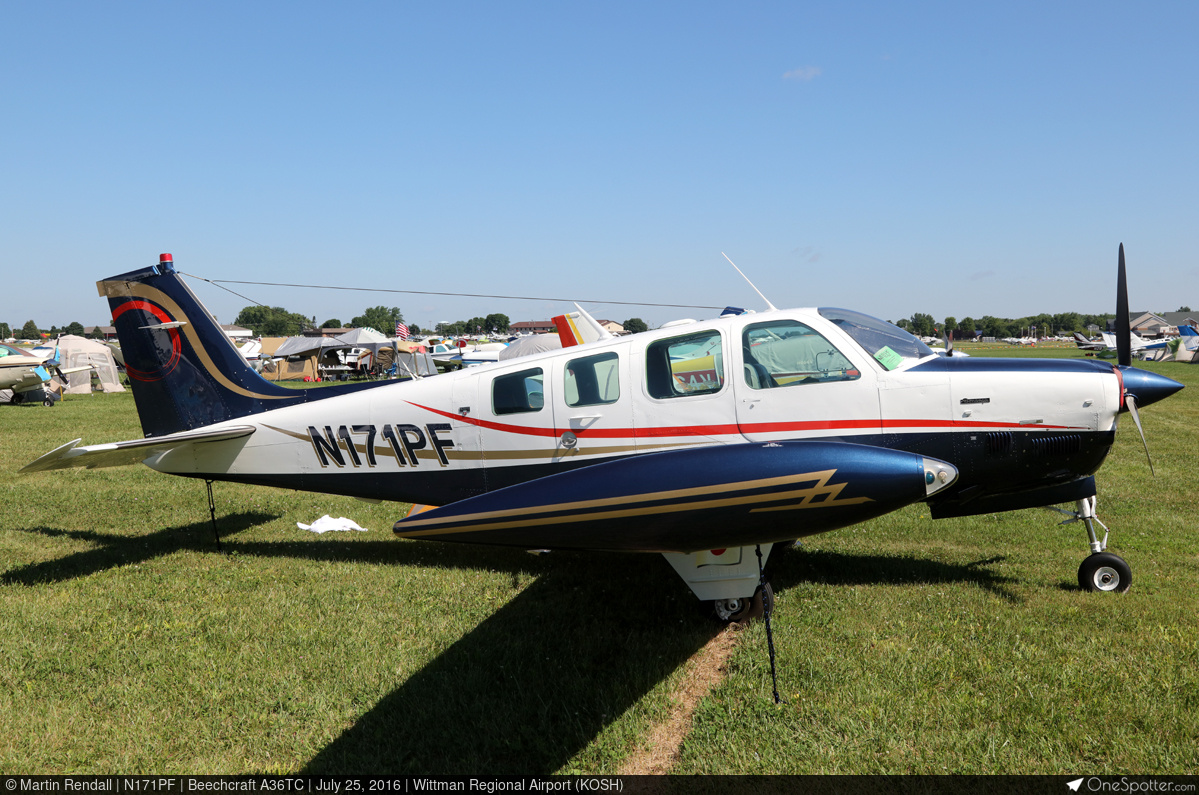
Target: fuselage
1011, 427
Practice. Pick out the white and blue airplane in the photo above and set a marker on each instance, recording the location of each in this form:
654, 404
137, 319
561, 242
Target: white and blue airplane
28, 374
708, 442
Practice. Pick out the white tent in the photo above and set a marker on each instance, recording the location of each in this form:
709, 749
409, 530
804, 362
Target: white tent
76, 351
310, 346
363, 338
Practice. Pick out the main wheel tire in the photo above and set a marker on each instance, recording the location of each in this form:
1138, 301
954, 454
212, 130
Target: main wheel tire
48, 402
739, 611
1104, 571
17, 398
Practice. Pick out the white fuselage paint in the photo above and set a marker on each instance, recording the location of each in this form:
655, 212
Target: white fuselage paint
449, 424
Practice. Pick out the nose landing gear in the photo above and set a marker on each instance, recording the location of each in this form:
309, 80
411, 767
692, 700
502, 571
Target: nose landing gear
1101, 570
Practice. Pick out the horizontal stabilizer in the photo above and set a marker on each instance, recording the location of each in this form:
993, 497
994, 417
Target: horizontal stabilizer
687, 500
118, 454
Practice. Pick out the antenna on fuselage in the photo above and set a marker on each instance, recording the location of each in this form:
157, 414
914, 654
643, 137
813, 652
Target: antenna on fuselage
769, 305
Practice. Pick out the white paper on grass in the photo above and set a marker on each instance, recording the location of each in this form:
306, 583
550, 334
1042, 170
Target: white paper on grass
327, 523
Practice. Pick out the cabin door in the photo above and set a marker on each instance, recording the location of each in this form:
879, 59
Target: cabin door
793, 383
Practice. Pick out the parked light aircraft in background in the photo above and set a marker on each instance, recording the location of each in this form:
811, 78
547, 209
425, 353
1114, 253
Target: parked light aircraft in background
1089, 345
27, 374
1109, 342
706, 441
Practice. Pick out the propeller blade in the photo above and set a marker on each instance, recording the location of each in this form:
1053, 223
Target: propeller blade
1131, 402
948, 342
1123, 324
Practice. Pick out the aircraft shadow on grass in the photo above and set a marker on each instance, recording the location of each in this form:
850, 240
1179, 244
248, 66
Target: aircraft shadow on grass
510, 697
838, 568
113, 550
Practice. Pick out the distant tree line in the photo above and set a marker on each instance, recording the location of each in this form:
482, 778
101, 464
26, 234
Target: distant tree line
31, 331
1064, 323
495, 323
275, 321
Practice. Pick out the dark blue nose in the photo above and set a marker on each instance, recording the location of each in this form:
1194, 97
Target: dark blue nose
1148, 387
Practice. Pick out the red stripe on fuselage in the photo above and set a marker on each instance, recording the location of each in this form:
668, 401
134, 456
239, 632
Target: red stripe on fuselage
733, 429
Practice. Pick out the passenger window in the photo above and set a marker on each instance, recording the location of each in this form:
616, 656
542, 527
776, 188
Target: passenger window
787, 353
592, 381
517, 393
683, 366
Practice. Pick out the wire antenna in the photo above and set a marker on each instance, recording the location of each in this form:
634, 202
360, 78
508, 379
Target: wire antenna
769, 305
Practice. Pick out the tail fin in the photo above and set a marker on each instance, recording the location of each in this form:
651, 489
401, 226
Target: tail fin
1187, 331
184, 370
579, 328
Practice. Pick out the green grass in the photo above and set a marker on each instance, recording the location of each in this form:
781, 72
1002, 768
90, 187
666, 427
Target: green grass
904, 645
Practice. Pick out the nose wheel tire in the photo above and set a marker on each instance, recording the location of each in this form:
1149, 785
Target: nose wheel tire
739, 611
1104, 571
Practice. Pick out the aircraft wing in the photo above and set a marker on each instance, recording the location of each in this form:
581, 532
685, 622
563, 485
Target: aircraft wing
117, 454
692, 499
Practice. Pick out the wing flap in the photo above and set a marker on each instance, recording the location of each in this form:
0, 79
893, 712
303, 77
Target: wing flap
135, 451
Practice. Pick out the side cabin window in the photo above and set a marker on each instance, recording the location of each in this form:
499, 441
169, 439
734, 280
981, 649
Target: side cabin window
685, 366
788, 353
592, 381
517, 393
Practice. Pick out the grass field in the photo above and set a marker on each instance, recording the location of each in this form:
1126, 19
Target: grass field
131, 645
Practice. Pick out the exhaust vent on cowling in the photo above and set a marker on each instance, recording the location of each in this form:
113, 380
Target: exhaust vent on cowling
1056, 444
999, 442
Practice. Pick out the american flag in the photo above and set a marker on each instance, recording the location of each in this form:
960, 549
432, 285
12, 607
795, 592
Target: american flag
401, 331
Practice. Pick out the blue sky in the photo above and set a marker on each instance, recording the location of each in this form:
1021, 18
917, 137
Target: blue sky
949, 158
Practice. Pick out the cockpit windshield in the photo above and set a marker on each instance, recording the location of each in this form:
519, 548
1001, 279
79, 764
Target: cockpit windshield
890, 345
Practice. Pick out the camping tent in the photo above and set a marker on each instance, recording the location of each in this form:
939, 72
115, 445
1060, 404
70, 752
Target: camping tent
76, 351
363, 338
412, 360
301, 357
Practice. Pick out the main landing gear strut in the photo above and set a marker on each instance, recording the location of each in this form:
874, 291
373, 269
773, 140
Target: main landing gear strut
734, 581
1101, 571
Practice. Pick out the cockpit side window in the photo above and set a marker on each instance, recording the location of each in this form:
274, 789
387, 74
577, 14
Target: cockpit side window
788, 353
685, 366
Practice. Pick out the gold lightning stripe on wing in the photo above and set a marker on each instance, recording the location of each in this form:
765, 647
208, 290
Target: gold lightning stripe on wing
588, 509
117, 289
